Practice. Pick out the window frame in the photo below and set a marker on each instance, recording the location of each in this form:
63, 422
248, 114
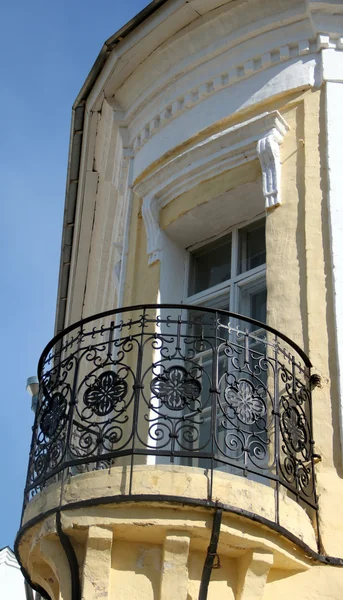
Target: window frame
237, 280
233, 286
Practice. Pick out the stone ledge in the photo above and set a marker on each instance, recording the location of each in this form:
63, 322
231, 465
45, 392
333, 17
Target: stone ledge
178, 481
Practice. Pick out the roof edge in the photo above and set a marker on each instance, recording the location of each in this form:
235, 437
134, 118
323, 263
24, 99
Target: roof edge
110, 43
74, 155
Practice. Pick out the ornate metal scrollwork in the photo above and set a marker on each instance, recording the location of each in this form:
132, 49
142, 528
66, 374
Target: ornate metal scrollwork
53, 415
247, 403
194, 386
106, 394
294, 429
176, 388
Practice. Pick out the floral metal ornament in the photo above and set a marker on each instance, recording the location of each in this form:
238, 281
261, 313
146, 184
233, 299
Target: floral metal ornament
246, 402
53, 415
106, 394
138, 382
294, 428
175, 388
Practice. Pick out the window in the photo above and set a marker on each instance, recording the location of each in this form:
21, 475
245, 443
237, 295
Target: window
230, 272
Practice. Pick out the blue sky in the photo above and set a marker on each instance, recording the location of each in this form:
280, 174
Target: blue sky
47, 50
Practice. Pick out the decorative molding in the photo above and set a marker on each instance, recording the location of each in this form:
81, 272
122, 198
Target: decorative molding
257, 64
150, 214
8, 558
332, 66
268, 151
208, 88
256, 138
325, 41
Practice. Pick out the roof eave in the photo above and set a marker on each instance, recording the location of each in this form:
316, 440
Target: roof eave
75, 154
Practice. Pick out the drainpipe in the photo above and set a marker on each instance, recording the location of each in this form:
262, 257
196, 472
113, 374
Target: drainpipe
211, 555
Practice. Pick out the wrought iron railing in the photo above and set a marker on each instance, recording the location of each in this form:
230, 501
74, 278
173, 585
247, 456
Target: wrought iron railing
186, 385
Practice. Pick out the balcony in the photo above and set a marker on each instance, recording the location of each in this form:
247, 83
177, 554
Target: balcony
131, 396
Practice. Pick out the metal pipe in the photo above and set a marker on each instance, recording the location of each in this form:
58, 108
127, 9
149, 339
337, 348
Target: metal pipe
28, 591
211, 555
71, 557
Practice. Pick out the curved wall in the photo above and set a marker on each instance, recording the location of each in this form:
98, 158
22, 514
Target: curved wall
193, 74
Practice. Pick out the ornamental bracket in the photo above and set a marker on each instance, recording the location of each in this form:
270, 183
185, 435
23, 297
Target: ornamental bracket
259, 137
268, 151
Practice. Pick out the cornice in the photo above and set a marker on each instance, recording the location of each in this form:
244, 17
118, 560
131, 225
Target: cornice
259, 137
209, 87
8, 558
242, 71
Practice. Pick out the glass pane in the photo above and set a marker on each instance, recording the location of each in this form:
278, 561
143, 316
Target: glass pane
204, 324
210, 265
252, 247
221, 302
253, 300
258, 305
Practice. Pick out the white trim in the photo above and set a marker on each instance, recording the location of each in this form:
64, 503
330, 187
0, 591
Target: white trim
234, 252
237, 280
269, 154
255, 65
256, 138
332, 65
7, 557
217, 290
332, 76
334, 135
151, 215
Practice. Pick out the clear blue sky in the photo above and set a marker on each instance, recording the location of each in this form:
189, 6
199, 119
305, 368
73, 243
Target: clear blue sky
47, 50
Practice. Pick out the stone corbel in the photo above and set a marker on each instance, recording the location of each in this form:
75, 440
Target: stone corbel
150, 214
174, 575
253, 569
268, 151
97, 564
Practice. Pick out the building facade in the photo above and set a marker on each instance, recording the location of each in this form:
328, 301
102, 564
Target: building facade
12, 582
188, 436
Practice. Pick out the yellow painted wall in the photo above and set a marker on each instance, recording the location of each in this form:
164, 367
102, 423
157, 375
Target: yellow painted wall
136, 569
298, 271
142, 281
300, 305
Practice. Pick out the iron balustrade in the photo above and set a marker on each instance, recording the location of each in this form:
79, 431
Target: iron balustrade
183, 384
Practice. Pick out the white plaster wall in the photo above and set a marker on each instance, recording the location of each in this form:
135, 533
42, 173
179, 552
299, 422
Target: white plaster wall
11, 579
226, 102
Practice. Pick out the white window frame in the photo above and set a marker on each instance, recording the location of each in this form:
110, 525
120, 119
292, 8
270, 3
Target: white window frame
232, 286
236, 281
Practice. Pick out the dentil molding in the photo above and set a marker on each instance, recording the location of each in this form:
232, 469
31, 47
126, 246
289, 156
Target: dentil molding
238, 73
243, 70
